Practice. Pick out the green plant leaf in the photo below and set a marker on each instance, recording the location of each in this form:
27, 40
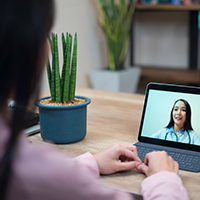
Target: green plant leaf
49, 75
116, 21
67, 71
53, 93
63, 88
64, 68
63, 45
57, 72
73, 71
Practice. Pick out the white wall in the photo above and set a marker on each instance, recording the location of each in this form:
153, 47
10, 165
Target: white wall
78, 16
161, 38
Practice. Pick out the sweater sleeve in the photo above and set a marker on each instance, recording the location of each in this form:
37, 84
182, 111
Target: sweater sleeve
45, 174
88, 161
164, 185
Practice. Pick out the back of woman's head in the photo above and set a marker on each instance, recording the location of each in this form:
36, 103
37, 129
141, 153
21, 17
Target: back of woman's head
24, 27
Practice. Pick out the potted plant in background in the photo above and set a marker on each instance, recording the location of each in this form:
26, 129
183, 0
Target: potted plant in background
63, 116
116, 23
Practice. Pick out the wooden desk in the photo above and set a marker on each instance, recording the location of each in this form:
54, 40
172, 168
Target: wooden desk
115, 118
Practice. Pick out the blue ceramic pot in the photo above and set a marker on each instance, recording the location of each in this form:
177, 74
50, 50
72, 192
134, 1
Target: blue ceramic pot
63, 124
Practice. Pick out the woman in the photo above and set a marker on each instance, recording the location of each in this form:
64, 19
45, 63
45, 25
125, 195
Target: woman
30, 171
179, 128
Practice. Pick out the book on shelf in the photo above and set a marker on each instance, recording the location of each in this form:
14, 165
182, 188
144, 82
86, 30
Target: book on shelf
167, 2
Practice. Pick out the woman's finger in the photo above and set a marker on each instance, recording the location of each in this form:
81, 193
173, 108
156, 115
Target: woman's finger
121, 166
129, 154
132, 148
142, 168
146, 160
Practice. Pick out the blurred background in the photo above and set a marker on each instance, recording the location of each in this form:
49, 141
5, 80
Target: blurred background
163, 41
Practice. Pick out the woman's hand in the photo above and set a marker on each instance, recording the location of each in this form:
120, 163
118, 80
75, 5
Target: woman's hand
157, 161
117, 158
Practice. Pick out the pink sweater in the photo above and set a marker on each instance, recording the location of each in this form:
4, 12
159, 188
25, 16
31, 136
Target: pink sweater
42, 173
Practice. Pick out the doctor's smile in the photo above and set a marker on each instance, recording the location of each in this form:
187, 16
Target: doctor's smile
178, 118
179, 114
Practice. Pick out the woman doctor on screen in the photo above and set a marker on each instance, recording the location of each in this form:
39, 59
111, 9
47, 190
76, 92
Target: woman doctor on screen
179, 128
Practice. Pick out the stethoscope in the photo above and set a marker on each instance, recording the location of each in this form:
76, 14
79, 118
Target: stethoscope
177, 136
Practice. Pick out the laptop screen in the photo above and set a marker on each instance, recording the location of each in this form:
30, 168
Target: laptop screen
171, 116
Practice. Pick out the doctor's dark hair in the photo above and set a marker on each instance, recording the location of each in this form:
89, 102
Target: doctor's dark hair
187, 124
24, 28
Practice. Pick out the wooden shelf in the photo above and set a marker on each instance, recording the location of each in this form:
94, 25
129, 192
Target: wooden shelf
189, 76
171, 75
167, 7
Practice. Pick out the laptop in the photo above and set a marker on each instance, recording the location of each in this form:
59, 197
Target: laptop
171, 121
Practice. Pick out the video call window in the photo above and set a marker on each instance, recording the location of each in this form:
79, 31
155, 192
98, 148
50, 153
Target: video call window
172, 116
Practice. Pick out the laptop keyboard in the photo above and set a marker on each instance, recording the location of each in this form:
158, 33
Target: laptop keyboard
186, 162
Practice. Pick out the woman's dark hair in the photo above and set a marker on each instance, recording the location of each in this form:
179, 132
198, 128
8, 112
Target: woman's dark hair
24, 27
187, 123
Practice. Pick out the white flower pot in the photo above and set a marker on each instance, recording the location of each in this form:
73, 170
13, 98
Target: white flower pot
125, 80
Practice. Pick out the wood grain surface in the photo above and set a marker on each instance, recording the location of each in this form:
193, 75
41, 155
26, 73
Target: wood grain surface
115, 118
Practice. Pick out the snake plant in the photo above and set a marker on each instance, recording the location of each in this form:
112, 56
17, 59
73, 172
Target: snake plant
116, 23
62, 87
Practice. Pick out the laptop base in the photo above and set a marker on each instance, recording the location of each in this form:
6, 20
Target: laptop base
187, 160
